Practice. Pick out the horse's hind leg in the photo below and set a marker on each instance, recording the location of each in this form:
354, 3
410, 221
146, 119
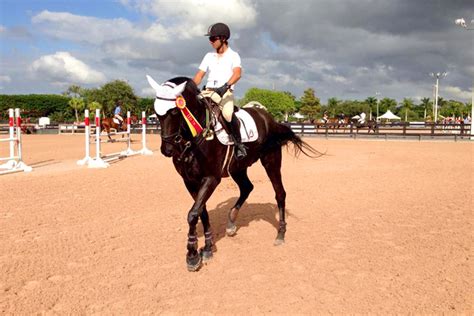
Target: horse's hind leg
245, 187
272, 164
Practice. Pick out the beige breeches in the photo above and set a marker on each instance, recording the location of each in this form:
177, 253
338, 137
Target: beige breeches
226, 103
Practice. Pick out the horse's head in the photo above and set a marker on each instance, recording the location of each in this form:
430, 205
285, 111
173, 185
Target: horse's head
168, 113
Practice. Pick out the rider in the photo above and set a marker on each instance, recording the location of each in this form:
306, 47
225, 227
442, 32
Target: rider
341, 117
118, 113
361, 119
224, 70
325, 117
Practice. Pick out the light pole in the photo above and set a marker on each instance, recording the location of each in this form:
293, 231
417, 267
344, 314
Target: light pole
437, 75
462, 23
376, 96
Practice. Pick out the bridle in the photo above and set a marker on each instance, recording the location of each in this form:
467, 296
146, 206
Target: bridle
178, 142
176, 139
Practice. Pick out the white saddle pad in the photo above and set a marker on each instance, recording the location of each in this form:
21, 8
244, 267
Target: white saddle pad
116, 120
248, 129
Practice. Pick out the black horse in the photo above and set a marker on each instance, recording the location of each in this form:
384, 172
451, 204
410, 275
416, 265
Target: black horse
202, 163
371, 125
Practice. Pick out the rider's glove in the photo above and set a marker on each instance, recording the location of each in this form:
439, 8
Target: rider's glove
222, 90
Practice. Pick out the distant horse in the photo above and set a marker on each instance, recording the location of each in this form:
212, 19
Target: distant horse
108, 123
371, 125
202, 162
335, 122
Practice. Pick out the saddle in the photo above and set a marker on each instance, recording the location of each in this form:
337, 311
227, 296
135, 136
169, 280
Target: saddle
218, 127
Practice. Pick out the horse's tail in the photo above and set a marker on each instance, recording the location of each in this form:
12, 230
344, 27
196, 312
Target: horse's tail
283, 135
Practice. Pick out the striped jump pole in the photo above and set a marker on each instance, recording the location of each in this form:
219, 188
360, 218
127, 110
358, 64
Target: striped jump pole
14, 163
144, 150
87, 131
97, 162
11, 159
129, 151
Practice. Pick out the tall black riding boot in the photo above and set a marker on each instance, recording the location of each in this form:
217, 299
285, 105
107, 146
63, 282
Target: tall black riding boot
240, 149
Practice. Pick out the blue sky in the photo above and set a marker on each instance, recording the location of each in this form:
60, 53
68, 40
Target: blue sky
346, 49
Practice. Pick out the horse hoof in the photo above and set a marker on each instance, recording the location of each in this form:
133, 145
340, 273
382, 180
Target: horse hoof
194, 263
206, 255
231, 229
278, 242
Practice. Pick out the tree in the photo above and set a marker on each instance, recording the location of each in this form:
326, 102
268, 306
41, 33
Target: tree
453, 108
146, 104
94, 105
406, 105
387, 104
77, 104
332, 107
74, 91
310, 105
372, 103
110, 93
277, 103
426, 104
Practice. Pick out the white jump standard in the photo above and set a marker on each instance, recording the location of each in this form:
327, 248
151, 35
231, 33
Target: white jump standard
14, 162
101, 161
144, 150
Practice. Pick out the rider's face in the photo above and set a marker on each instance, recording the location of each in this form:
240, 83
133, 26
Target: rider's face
215, 41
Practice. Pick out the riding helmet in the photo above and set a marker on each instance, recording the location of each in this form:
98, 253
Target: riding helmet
218, 29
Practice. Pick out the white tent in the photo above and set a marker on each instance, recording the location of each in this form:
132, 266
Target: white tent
389, 116
298, 116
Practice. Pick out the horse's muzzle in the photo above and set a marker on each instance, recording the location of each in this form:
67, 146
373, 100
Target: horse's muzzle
167, 149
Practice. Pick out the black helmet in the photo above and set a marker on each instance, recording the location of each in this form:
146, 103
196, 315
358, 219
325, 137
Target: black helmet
218, 29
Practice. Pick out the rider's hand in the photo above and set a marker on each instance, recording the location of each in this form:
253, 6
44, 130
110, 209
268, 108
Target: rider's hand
222, 90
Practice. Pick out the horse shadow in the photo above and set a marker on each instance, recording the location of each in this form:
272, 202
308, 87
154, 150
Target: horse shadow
250, 212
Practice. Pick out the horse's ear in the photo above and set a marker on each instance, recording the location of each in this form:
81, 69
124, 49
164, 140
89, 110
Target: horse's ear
153, 83
179, 89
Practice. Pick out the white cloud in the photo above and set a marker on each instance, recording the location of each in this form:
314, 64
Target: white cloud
457, 93
148, 91
191, 17
62, 67
174, 20
4, 78
78, 28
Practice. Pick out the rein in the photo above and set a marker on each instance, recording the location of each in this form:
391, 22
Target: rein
184, 145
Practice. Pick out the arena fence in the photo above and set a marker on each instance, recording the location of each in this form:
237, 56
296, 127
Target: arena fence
418, 131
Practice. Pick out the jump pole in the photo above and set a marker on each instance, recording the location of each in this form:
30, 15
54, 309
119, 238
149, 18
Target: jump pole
11, 162
97, 162
129, 151
87, 159
14, 163
144, 150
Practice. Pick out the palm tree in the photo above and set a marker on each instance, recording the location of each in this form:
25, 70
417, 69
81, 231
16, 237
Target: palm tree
332, 105
407, 104
371, 102
426, 104
77, 104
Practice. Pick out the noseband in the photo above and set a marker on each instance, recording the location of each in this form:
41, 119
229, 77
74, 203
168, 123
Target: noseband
177, 141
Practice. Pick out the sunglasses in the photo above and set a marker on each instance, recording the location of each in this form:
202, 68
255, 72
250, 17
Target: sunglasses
212, 39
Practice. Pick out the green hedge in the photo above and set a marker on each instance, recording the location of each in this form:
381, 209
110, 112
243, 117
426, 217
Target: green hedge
37, 105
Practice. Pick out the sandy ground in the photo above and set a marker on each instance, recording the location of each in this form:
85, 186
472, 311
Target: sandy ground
373, 227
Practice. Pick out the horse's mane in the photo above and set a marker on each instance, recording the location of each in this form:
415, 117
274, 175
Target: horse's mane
191, 87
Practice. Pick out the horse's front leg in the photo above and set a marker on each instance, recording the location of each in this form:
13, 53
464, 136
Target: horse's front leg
206, 251
208, 185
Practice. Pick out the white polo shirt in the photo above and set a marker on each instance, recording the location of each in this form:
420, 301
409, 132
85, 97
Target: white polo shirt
219, 68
